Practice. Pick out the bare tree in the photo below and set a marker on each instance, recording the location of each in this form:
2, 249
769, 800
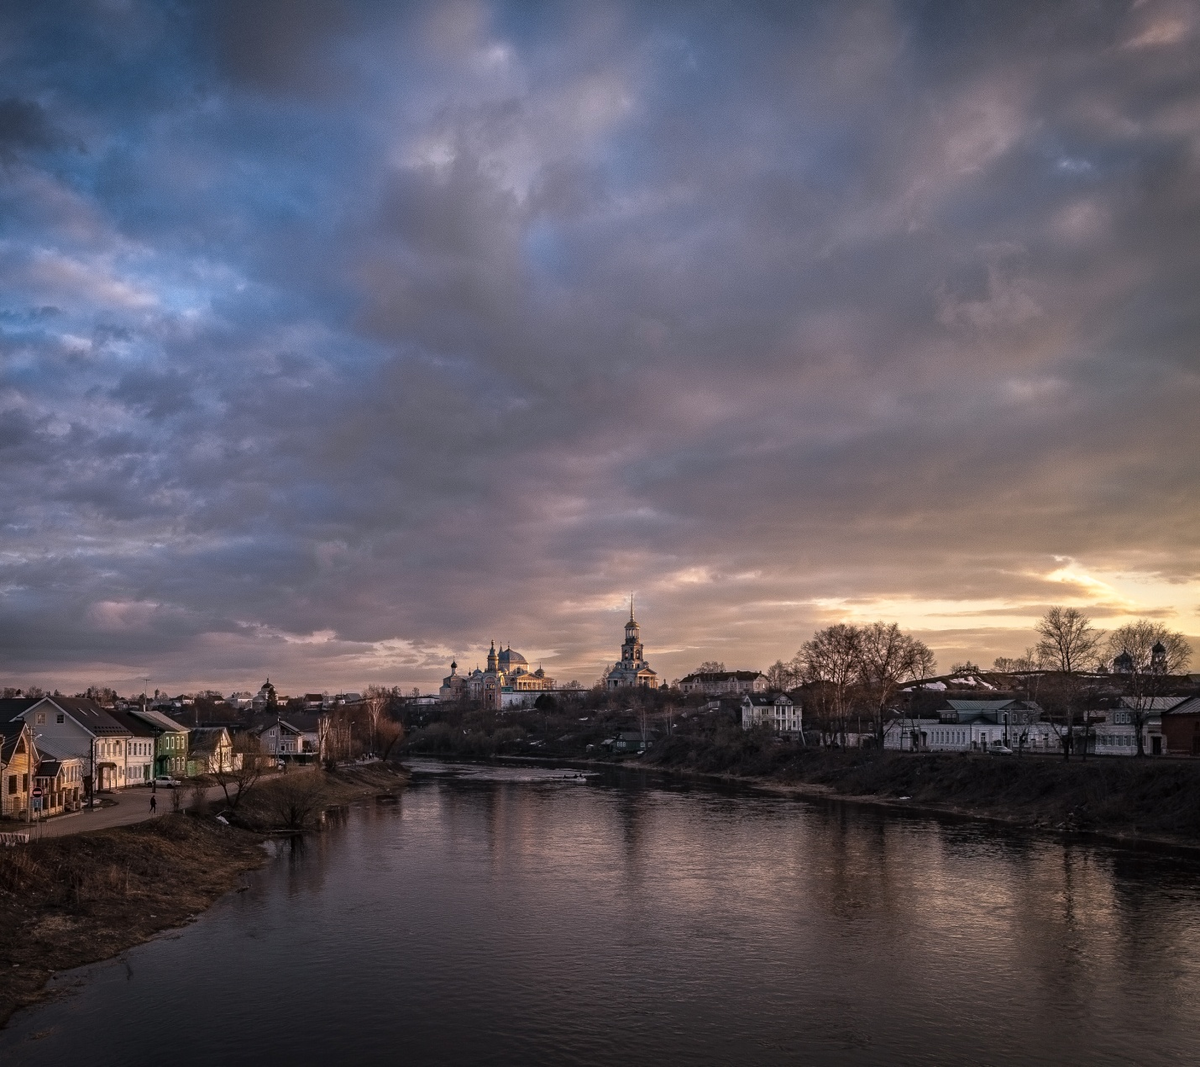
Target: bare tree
782, 676
294, 800
246, 766
829, 665
1145, 654
1068, 646
373, 710
710, 666
888, 657
103, 695
389, 733
1024, 664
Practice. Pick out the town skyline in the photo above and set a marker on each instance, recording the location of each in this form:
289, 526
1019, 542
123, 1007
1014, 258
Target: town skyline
301, 679
337, 339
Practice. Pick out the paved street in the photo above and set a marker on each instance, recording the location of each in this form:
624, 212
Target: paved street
132, 805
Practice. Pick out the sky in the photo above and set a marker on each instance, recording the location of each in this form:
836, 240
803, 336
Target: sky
338, 340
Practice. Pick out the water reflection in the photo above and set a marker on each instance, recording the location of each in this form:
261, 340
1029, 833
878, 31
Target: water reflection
502, 916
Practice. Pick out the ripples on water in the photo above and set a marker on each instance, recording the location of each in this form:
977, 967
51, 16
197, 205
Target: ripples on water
517, 916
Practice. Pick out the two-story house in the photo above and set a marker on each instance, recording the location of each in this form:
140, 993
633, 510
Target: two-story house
80, 728
724, 683
986, 725
139, 748
18, 764
61, 783
301, 738
1114, 731
774, 710
171, 741
210, 751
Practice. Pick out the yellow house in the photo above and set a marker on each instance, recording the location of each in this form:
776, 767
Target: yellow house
18, 765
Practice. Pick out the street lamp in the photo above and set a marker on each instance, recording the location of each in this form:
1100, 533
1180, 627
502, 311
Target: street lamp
31, 775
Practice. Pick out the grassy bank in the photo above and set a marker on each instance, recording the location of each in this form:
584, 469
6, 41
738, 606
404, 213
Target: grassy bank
1151, 799
69, 901
1146, 799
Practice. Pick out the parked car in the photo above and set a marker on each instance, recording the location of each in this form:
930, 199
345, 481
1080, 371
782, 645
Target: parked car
166, 781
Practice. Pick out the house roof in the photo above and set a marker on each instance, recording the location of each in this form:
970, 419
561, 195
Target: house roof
48, 768
158, 721
10, 732
90, 716
135, 724
47, 747
721, 676
14, 708
978, 706
205, 739
1186, 706
1157, 703
766, 700
303, 722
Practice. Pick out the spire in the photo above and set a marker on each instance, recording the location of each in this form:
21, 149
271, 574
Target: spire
631, 618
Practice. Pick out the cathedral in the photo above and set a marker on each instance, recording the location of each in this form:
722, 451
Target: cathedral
507, 682
632, 670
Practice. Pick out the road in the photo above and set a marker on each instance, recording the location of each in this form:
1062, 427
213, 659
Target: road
132, 805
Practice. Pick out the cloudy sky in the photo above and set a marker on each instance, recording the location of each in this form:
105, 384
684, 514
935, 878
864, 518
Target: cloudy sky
338, 340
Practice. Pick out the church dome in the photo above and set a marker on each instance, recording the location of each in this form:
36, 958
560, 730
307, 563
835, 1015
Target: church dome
510, 659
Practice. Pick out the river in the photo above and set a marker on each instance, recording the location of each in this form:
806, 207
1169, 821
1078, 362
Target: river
514, 916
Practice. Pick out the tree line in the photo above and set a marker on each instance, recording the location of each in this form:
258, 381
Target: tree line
851, 673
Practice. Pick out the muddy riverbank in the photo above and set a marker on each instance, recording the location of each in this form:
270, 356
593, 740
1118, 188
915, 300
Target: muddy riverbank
68, 901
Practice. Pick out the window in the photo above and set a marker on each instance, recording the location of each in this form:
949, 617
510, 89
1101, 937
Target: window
60, 718
12, 784
25, 783
40, 718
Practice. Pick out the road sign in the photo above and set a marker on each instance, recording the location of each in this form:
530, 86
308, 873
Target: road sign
37, 791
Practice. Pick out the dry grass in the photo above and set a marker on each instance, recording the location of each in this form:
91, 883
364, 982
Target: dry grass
69, 901
73, 900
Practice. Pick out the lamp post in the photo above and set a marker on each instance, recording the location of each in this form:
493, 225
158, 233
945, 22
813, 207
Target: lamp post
31, 775
92, 768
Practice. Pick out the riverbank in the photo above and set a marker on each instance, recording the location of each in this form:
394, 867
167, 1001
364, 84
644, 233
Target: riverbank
1129, 801
1126, 799
69, 901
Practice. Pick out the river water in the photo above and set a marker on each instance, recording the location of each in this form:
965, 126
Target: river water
511, 916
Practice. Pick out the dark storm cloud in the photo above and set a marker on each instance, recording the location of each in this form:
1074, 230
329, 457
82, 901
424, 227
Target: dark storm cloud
23, 125
338, 339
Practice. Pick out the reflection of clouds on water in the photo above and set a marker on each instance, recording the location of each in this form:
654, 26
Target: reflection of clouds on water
499, 915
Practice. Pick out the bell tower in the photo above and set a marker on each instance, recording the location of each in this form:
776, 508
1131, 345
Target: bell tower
631, 650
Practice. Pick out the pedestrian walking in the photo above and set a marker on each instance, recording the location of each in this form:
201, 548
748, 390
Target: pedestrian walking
153, 804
